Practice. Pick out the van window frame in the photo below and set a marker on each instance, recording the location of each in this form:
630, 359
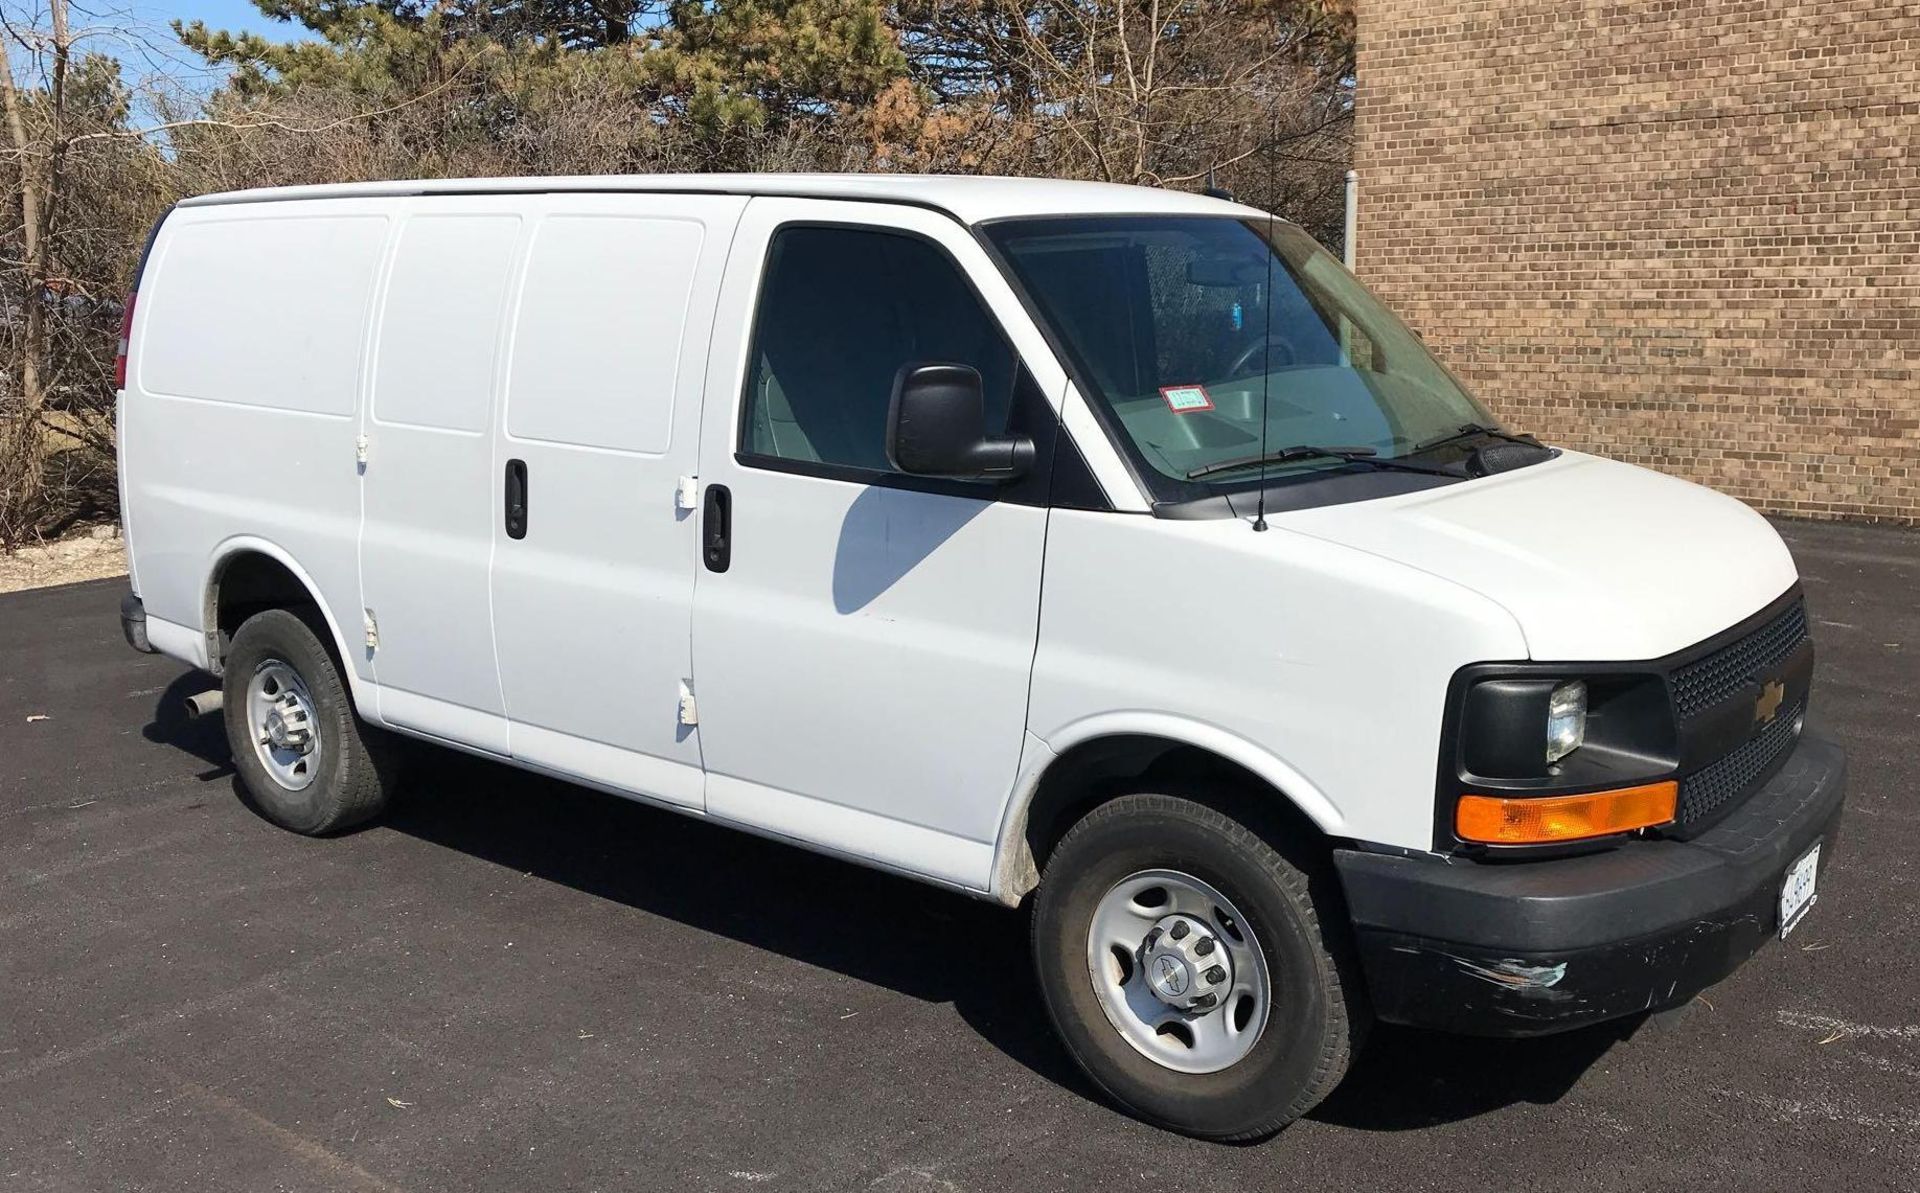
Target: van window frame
1029, 414
1335, 486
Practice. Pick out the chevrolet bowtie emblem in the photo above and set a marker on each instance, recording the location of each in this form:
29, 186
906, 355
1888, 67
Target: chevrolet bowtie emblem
1768, 704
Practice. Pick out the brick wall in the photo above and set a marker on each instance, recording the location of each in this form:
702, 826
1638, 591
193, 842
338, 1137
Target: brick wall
1681, 234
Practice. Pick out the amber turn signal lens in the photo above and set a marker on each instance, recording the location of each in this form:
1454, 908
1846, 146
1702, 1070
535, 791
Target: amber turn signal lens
1499, 821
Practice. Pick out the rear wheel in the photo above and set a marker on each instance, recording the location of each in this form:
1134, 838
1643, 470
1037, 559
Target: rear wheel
1184, 962
308, 762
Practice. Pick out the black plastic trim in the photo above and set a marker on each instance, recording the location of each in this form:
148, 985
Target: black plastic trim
1472, 947
1630, 738
1316, 490
1680, 749
716, 528
133, 623
1074, 485
513, 499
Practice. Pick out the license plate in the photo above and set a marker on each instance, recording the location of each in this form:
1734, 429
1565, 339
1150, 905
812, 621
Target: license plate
1796, 890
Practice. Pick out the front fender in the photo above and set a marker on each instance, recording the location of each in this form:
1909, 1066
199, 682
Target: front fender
1304, 793
1016, 871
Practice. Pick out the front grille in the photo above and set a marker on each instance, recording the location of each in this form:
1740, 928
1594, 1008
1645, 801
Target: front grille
1699, 686
1713, 788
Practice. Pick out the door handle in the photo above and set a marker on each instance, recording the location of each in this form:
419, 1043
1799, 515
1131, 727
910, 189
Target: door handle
516, 499
716, 529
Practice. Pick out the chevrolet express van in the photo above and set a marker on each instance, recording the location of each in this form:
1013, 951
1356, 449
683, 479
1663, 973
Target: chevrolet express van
1101, 550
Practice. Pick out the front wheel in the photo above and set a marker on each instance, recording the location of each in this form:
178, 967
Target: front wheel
308, 762
1185, 965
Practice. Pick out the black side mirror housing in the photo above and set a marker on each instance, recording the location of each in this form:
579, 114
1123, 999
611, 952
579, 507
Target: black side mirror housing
937, 426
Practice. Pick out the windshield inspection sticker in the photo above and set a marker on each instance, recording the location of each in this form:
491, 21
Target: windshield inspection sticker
1185, 399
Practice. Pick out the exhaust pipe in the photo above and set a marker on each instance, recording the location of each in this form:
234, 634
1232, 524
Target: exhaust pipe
201, 704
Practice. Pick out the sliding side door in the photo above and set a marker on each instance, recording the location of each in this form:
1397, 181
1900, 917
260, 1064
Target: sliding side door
593, 559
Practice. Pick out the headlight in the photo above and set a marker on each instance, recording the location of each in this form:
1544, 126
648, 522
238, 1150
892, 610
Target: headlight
1518, 744
1535, 723
1566, 720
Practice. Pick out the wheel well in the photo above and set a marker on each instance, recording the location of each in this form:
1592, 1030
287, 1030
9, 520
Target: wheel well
247, 583
1094, 772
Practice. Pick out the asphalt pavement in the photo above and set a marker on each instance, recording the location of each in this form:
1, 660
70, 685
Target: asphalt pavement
513, 984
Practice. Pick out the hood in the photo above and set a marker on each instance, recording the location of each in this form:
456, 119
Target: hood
1596, 560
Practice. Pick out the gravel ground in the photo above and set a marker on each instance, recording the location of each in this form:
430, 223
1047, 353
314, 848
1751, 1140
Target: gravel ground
91, 555
512, 984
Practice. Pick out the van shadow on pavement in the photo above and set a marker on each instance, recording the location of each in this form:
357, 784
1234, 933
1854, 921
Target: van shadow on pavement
203, 737
1406, 1079
914, 939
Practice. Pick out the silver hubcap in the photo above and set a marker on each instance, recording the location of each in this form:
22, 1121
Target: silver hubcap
285, 729
1177, 971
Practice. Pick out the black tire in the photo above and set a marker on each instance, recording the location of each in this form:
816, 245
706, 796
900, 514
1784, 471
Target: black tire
356, 765
1318, 1016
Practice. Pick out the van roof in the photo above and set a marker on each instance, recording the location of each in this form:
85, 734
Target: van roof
968, 198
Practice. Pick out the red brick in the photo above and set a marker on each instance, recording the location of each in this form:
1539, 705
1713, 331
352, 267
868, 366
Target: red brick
1682, 235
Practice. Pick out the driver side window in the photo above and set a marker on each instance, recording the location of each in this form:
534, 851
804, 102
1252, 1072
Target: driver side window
841, 310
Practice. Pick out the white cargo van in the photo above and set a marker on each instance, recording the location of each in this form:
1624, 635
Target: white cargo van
1100, 548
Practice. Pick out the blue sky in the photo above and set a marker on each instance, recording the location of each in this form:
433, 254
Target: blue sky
236, 15
150, 47
137, 33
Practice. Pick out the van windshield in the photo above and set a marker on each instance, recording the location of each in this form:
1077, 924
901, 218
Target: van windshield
1186, 328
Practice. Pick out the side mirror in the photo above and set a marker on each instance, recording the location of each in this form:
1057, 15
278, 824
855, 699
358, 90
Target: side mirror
937, 426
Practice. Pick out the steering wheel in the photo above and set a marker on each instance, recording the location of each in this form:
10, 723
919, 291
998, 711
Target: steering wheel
1264, 346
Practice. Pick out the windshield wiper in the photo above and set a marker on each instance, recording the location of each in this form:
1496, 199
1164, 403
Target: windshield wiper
1307, 451
1468, 431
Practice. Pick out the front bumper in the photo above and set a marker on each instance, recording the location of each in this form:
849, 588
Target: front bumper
1531, 948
